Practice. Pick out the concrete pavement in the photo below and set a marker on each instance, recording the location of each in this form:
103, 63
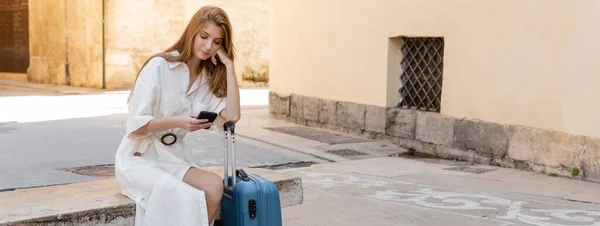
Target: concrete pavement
45, 135
398, 191
356, 183
39, 153
26, 102
101, 203
374, 189
393, 191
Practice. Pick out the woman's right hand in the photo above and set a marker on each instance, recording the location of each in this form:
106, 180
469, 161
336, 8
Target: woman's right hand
190, 123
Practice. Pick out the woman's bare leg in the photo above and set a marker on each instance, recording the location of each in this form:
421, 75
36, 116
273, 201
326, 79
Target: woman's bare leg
211, 184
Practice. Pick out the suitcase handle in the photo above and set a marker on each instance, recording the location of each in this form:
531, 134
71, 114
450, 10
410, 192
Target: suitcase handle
243, 174
229, 125
229, 130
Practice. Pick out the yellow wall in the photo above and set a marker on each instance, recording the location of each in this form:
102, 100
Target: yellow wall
47, 43
135, 31
524, 62
21, 77
250, 20
84, 42
64, 32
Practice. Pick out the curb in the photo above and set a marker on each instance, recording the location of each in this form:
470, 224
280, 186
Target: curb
59, 89
101, 203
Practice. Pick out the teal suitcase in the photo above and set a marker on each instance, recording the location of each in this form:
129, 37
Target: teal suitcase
248, 199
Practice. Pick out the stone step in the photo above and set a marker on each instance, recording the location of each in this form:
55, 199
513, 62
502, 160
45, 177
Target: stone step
101, 203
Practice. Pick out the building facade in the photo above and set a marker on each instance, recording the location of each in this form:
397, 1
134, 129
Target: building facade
509, 83
103, 43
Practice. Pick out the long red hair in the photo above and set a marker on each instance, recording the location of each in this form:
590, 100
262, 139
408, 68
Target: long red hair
217, 74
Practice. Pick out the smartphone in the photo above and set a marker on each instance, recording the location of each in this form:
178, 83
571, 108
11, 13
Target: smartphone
211, 116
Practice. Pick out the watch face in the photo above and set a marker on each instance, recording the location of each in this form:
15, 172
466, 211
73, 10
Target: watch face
168, 139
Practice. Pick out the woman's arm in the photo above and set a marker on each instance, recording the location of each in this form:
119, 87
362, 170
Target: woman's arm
157, 125
187, 122
232, 111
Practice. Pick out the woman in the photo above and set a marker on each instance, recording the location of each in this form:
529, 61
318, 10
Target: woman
153, 165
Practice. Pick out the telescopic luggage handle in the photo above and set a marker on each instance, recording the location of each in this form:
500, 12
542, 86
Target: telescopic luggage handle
229, 130
230, 125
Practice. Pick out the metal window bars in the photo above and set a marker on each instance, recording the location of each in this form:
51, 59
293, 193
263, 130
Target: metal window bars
422, 70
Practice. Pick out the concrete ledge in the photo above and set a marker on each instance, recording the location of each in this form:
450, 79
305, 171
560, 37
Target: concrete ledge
19, 77
59, 89
279, 104
101, 203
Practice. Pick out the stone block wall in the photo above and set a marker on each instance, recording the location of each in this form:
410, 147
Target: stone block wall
342, 116
47, 42
512, 146
84, 43
104, 43
250, 21
65, 42
135, 30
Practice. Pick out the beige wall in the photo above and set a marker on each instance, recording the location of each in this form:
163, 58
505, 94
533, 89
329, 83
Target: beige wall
137, 29
250, 21
47, 43
134, 30
518, 62
21, 77
84, 42
65, 31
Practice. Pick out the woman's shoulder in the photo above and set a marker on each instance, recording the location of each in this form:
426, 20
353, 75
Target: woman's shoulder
163, 59
157, 60
154, 68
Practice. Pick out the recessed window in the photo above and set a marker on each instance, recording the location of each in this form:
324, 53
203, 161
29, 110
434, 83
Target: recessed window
422, 71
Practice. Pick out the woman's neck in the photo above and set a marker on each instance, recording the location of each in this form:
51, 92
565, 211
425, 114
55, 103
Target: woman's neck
193, 64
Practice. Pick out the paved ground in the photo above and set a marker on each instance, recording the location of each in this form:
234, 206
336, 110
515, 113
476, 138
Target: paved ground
7, 90
396, 191
43, 132
360, 189
372, 189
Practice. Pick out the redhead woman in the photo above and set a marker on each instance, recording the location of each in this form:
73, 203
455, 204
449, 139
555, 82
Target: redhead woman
153, 165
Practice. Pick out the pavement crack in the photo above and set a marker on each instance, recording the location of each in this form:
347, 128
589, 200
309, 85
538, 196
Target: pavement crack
23, 188
286, 148
580, 201
288, 165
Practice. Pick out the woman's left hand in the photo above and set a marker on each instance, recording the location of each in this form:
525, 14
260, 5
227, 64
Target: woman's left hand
222, 57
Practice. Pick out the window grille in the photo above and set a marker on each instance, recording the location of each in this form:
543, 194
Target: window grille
422, 70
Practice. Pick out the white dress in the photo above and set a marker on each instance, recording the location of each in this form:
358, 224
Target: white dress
154, 179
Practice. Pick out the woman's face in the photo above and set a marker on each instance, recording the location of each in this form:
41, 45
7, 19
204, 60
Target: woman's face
208, 41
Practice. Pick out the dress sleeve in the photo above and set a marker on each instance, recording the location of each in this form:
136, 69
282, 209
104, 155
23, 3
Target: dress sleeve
145, 95
218, 124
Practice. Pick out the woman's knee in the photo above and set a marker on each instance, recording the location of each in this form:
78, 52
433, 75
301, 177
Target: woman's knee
209, 182
213, 187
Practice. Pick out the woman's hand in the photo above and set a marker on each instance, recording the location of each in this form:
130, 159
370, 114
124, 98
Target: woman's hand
190, 123
222, 55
